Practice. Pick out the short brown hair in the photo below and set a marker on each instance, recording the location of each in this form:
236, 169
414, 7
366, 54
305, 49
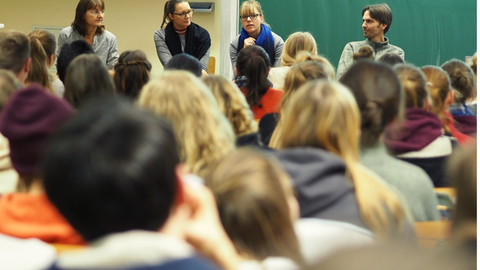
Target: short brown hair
462, 79
14, 50
380, 12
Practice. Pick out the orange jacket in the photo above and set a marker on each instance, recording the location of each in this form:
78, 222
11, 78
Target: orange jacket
270, 103
26, 215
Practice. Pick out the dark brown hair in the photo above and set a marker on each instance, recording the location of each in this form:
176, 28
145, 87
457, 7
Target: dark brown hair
14, 50
132, 72
391, 59
379, 96
43, 46
462, 79
87, 77
169, 8
364, 52
253, 63
83, 6
380, 12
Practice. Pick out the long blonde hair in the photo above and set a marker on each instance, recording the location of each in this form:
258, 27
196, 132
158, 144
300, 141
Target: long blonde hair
204, 135
295, 43
324, 114
439, 88
252, 193
297, 76
232, 104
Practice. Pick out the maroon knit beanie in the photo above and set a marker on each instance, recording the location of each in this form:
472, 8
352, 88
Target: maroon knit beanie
28, 120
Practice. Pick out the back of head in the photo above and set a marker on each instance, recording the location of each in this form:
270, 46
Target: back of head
252, 193
379, 96
8, 84
334, 111
87, 77
364, 52
204, 134
111, 168
253, 63
185, 62
306, 56
380, 12
14, 50
391, 58
43, 46
414, 84
132, 72
473, 65
232, 104
68, 52
462, 79
80, 24
438, 84
28, 120
295, 43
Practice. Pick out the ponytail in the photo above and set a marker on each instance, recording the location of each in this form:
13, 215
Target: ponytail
462, 78
39, 72
253, 63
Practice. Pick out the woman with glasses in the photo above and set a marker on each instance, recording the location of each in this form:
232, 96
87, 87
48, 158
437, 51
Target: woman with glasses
88, 26
181, 35
255, 31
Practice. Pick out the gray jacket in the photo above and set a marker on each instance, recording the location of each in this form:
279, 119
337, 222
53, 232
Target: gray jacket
379, 49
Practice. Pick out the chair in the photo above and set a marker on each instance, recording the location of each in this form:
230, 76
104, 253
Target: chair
429, 233
211, 65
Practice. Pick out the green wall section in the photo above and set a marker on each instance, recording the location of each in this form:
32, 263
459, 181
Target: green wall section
429, 31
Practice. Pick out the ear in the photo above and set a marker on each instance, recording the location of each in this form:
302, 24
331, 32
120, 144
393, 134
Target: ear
426, 106
52, 60
179, 185
268, 72
26, 67
450, 97
383, 25
236, 71
170, 16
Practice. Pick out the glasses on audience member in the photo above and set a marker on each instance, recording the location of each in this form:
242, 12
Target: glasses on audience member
96, 12
252, 17
182, 15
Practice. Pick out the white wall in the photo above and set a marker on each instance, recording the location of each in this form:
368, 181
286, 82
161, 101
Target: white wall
133, 22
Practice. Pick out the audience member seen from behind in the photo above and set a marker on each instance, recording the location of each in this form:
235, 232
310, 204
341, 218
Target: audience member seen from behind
88, 26
181, 35
43, 46
132, 72
87, 77
472, 101
252, 71
296, 77
255, 31
69, 52
185, 62
334, 112
137, 208
203, 133
439, 87
295, 43
257, 206
419, 139
233, 105
28, 120
366, 52
15, 53
8, 176
392, 59
379, 96
463, 83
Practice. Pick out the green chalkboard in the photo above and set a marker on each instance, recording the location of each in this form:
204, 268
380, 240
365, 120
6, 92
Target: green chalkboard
429, 31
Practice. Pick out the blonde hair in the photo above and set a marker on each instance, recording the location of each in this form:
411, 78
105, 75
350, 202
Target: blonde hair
251, 192
42, 47
232, 104
324, 114
203, 133
438, 84
297, 76
462, 79
414, 84
307, 56
248, 8
295, 43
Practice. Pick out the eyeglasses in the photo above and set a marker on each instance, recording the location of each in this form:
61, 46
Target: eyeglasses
182, 15
96, 12
252, 17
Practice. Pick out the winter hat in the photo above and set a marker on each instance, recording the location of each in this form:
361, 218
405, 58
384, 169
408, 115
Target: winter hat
28, 120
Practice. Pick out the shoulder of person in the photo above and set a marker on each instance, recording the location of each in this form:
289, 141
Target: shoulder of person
66, 31
235, 40
277, 37
108, 34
